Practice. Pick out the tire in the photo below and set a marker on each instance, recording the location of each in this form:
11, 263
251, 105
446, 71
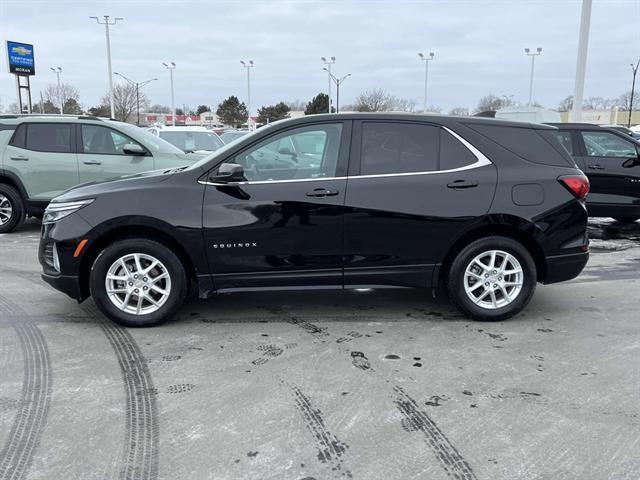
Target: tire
13, 209
124, 310
496, 306
625, 219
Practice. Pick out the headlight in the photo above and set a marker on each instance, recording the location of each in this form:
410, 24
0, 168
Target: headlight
56, 211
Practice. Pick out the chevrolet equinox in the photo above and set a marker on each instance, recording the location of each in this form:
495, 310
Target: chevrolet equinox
486, 207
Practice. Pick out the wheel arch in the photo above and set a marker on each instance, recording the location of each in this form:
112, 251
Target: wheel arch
122, 232
516, 229
12, 180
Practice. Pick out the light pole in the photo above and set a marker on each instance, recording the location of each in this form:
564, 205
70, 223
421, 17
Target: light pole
633, 88
171, 67
137, 85
328, 64
106, 24
581, 64
58, 71
426, 75
338, 82
248, 65
533, 56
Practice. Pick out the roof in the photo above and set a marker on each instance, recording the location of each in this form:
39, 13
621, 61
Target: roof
400, 116
48, 117
170, 128
574, 125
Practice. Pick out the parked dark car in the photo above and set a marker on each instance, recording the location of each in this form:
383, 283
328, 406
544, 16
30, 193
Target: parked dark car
611, 161
487, 207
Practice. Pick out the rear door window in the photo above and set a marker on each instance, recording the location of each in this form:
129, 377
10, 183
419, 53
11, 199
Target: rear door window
19, 138
49, 137
606, 144
564, 137
453, 154
389, 147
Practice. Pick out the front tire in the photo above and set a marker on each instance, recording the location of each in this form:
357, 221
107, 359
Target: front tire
138, 282
625, 219
12, 209
492, 278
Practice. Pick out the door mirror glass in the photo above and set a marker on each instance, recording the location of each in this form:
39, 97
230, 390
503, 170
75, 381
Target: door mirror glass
133, 149
228, 173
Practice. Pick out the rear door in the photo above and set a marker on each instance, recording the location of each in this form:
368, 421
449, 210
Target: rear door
42, 155
610, 162
412, 187
101, 155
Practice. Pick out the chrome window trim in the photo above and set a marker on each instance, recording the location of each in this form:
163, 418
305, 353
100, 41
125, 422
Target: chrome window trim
482, 161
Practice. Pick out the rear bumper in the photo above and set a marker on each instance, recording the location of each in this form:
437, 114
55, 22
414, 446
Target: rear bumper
565, 267
66, 284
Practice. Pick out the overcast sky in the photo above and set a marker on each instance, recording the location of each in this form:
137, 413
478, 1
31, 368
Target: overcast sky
478, 47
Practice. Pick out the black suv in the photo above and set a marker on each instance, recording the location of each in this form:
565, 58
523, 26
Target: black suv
366, 201
611, 160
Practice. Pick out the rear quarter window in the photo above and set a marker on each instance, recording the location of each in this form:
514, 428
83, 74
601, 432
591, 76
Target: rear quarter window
535, 145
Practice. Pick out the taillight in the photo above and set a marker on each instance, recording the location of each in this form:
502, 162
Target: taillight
576, 184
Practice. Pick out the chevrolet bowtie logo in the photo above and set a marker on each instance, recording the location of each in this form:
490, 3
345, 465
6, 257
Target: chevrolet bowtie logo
235, 245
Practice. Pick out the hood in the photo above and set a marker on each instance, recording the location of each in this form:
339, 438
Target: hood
91, 189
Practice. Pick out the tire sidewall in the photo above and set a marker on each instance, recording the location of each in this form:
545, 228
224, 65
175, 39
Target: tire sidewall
455, 280
109, 255
17, 207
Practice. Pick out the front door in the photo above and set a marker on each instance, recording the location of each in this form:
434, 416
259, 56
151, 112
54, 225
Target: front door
283, 226
415, 188
610, 162
101, 155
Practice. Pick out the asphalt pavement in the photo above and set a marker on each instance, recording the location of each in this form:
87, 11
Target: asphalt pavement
364, 385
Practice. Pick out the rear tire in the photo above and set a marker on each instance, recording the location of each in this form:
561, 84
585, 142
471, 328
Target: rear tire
138, 282
492, 278
12, 208
625, 219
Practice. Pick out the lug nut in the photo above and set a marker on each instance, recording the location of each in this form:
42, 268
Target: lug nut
131, 284
145, 279
486, 284
500, 278
136, 290
145, 288
495, 285
486, 275
136, 276
494, 272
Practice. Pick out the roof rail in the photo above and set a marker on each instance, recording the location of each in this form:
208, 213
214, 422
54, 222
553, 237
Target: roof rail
54, 115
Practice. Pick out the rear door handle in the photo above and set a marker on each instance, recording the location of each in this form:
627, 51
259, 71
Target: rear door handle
462, 184
19, 159
92, 162
322, 192
596, 167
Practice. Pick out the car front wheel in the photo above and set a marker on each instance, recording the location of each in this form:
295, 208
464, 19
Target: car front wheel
12, 211
138, 282
492, 278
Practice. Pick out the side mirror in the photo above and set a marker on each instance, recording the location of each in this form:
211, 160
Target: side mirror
133, 149
228, 173
286, 151
631, 162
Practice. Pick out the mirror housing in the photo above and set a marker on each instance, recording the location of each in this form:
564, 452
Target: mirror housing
631, 162
286, 151
133, 149
228, 173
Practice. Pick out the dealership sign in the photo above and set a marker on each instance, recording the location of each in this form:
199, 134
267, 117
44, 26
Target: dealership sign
21, 59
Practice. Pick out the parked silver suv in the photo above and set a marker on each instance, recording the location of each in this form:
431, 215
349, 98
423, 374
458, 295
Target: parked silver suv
43, 155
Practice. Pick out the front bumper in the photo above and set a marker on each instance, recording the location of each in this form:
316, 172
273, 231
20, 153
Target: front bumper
68, 284
560, 268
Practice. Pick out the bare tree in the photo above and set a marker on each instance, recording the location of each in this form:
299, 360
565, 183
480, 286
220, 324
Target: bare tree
378, 100
125, 101
599, 103
406, 105
62, 95
566, 105
625, 99
492, 102
297, 105
459, 111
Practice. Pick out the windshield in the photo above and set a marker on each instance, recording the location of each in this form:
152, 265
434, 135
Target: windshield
192, 141
231, 136
151, 141
225, 148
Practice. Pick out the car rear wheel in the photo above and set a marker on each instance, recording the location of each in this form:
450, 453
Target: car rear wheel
492, 278
12, 211
138, 282
625, 219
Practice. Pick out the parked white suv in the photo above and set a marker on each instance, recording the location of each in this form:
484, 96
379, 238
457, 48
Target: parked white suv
189, 139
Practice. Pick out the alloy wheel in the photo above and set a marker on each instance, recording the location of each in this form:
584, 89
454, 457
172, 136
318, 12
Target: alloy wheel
6, 210
493, 279
138, 283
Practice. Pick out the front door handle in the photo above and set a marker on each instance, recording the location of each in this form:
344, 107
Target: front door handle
596, 167
462, 184
19, 159
92, 162
322, 192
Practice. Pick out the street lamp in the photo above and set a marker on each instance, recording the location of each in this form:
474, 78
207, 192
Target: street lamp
137, 85
171, 67
106, 24
338, 82
426, 75
634, 68
533, 56
328, 64
58, 71
248, 65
